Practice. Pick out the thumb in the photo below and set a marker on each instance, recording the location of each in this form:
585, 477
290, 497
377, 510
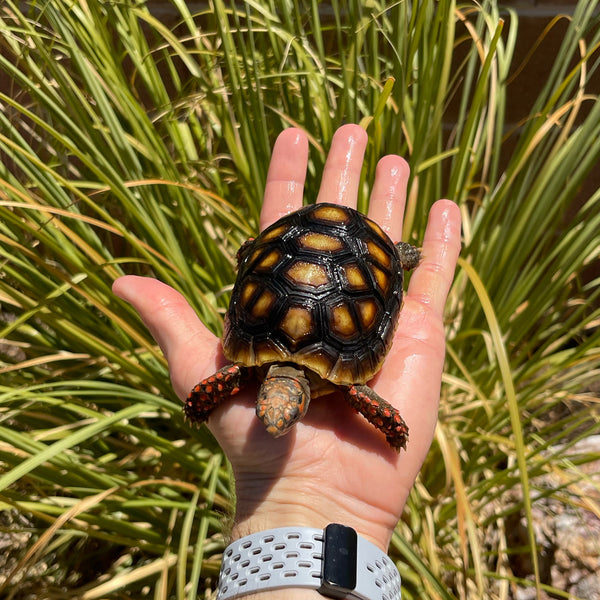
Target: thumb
189, 347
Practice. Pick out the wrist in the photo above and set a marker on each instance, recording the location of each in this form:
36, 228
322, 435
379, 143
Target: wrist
303, 505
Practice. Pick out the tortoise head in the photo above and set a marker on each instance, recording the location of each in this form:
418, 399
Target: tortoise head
283, 399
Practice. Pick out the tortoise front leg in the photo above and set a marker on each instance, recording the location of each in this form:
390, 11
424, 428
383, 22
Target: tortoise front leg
379, 413
211, 391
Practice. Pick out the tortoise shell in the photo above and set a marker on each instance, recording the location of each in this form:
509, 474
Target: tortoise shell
320, 288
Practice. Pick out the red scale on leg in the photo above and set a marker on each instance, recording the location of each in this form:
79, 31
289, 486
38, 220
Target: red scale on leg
208, 394
379, 413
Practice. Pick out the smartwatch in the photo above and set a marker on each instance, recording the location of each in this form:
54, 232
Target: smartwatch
335, 561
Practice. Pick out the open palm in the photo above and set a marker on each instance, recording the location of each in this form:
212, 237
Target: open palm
333, 466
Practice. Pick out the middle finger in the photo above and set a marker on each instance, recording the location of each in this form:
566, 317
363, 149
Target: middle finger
341, 175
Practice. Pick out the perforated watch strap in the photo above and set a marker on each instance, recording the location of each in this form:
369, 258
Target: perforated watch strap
296, 557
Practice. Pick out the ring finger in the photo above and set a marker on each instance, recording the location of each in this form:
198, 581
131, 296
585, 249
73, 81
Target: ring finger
388, 197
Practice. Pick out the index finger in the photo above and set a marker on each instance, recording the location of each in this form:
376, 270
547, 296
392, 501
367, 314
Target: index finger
285, 179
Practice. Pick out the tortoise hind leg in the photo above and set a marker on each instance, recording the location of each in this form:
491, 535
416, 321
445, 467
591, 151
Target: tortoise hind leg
409, 256
379, 413
211, 391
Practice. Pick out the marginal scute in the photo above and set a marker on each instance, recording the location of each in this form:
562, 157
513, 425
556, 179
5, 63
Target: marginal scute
269, 260
376, 229
241, 353
343, 370
318, 361
247, 292
381, 277
255, 255
266, 352
275, 232
377, 252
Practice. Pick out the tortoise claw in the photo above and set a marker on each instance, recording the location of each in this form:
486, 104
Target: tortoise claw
211, 391
379, 413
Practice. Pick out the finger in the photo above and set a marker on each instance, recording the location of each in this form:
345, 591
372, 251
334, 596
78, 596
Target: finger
285, 180
189, 347
388, 196
341, 175
430, 283
417, 355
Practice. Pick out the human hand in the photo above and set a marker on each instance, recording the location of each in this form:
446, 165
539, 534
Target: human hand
333, 466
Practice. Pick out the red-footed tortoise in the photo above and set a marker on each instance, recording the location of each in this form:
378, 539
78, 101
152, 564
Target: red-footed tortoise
314, 307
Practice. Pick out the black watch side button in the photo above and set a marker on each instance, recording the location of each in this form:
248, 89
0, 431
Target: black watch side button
338, 573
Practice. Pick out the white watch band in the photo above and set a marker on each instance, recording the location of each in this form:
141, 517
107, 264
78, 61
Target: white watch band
335, 561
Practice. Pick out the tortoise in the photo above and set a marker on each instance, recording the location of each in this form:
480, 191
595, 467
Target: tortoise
314, 307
